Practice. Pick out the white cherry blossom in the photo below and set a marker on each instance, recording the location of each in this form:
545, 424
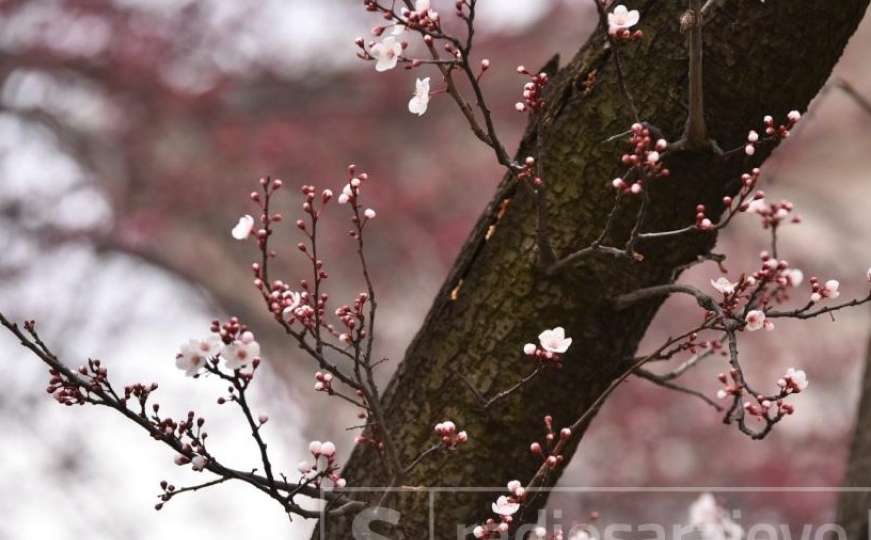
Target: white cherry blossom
723, 285
504, 507
386, 53
420, 100
622, 19
194, 354
755, 320
243, 228
240, 352
555, 340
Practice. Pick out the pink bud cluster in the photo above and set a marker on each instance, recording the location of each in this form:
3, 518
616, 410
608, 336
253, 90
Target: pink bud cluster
532, 91
772, 214
772, 132
740, 203
527, 171
323, 382
67, 392
324, 466
449, 435
549, 452
732, 385
821, 291
768, 409
644, 161
353, 317
267, 218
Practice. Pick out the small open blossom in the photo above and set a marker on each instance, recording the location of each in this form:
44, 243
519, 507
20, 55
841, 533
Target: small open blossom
195, 353
794, 381
712, 521
242, 230
755, 320
554, 340
369, 213
504, 506
723, 285
420, 100
622, 19
240, 352
386, 53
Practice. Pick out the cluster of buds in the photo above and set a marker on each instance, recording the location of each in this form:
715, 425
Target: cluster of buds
421, 17
526, 171
139, 391
772, 214
323, 382
772, 132
228, 331
732, 385
450, 437
768, 409
549, 452
644, 161
777, 272
703, 222
781, 131
324, 466
820, 291
352, 188
353, 318
69, 392
245, 226
745, 198
532, 91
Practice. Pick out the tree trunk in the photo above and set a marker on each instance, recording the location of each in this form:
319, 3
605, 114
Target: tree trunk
854, 508
759, 59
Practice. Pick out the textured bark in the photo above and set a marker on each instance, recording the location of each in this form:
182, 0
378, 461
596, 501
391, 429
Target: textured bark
759, 59
854, 508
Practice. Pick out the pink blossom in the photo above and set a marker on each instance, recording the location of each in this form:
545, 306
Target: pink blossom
504, 506
755, 320
622, 19
555, 340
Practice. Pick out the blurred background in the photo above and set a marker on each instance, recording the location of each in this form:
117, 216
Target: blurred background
131, 132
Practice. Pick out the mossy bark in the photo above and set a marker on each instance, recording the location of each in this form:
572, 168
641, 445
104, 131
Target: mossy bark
759, 59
